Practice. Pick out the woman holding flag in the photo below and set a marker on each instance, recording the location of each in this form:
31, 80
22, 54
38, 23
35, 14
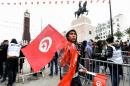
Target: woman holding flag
70, 62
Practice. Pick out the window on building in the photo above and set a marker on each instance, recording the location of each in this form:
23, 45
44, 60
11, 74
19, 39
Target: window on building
118, 29
90, 32
113, 23
109, 32
117, 19
108, 26
118, 25
109, 22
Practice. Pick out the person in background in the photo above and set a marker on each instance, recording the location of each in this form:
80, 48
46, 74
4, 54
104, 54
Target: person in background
128, 43
124, 49
90, 48
100, 54
83, 52
13, 53
3, 58
54, 61
114, 55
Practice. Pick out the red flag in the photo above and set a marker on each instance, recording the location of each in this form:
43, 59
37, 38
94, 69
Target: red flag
41, 50
66, 81
100, 80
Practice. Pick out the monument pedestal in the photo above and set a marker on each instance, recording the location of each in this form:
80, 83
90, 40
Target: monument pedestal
83, 27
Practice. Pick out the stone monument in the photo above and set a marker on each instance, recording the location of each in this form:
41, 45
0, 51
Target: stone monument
84, 28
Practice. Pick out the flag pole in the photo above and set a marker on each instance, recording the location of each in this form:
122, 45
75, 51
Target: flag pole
41, 23
111, 24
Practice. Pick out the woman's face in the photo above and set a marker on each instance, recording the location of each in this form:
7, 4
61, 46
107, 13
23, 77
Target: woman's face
72, 36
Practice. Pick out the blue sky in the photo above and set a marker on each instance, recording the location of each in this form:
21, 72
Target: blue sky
58, 15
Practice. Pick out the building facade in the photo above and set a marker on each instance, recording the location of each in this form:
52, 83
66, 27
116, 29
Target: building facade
104, 29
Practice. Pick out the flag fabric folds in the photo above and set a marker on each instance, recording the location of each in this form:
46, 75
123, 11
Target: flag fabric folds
72, 56
41, 50
100, 80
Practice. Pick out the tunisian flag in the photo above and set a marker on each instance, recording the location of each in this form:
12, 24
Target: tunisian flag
41, 50
100, 80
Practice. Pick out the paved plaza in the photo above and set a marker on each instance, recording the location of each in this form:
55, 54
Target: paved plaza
40, 81
47, 80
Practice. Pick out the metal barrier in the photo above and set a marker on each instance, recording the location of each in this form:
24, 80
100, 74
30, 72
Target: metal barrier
25, 70
93, 65
112, 70
126, 57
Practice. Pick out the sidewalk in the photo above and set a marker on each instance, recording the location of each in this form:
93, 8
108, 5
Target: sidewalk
41, 81
53, 80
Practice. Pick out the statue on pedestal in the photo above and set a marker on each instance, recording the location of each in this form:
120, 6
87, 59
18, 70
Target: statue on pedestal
81, 9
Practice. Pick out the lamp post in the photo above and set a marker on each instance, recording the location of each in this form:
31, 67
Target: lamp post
111, 24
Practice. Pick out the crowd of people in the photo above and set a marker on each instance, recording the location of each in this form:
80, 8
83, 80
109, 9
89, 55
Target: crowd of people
113, 52
109, 50
9, 54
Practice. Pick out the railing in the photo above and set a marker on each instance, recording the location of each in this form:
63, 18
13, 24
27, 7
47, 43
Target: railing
95, 66
118, 74
25, 69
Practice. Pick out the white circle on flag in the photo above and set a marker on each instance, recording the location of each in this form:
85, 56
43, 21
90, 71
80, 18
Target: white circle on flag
98, 83
45, 44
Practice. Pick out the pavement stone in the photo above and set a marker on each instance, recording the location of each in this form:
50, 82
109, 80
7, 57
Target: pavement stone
40, 81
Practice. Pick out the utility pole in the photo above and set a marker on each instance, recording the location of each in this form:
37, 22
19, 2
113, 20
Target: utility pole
111, 23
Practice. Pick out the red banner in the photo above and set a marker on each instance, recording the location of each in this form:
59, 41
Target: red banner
100, 80
41, 50
72, 55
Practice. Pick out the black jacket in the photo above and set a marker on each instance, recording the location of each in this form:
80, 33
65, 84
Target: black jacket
3, 52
